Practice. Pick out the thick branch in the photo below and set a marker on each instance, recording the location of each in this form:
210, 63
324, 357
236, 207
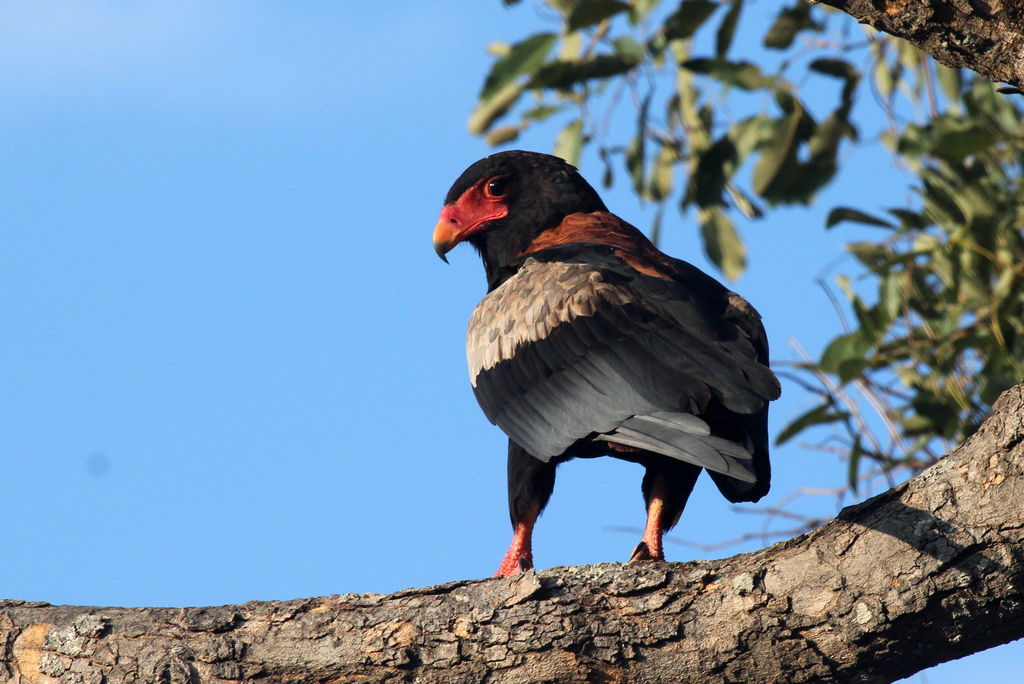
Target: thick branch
929, 571
986, 36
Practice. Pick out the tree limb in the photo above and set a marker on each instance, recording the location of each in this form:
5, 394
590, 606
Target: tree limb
986, 36
929, 571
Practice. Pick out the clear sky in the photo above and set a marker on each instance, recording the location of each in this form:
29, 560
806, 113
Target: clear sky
233, 367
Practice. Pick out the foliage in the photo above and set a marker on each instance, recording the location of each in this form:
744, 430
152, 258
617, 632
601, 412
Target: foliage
945, 332
607, 50
941, 331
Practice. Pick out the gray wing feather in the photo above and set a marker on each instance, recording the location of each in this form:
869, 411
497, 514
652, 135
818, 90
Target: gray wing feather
687, 438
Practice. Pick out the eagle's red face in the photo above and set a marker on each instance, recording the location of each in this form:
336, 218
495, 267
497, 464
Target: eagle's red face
483, 202
502, 202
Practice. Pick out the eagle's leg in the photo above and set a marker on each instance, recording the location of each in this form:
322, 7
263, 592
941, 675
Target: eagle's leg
530, 482
666, 487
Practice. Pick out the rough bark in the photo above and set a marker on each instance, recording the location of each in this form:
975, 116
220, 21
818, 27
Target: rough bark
926, 572
986, 36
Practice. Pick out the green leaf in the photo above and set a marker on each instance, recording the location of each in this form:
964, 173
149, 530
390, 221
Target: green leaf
563, 75
838, 68
890, 295
636, 152
848, 370
816, 416
872, 328
608, 177
721, 241
540, 112
871, 254
710, 177
638, 9
570, 142
498, 48
843, 281
740, 74
687, 18
1006, 283
926, 242
823, 147
840, 214
661, 174
723, 39
787, 24
656, 224
502, 135
489, 111
782, 148
594, 12
910, 219
522, 58
940, 410
849, 347
627, 48
954, 145
885, 78
853, 467
571, 47
916, 425
743, 202
941, 200
949, 80
747, 134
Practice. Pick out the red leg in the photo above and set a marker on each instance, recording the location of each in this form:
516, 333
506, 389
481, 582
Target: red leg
650, 546
665, 490
530, 482
520, 553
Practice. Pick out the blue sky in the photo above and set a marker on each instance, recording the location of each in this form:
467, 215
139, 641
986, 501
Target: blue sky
233, 366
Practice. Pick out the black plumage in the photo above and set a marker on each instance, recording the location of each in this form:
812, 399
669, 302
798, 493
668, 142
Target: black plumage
592, 342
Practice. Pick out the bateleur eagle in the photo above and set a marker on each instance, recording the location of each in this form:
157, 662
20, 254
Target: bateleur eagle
591, 342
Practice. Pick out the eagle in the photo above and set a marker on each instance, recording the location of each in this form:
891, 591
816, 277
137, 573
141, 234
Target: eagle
592, 342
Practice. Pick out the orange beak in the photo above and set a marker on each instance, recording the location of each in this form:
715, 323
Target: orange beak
446, 233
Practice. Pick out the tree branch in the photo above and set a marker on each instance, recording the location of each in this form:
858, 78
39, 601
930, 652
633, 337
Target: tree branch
929, 571
986, 36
